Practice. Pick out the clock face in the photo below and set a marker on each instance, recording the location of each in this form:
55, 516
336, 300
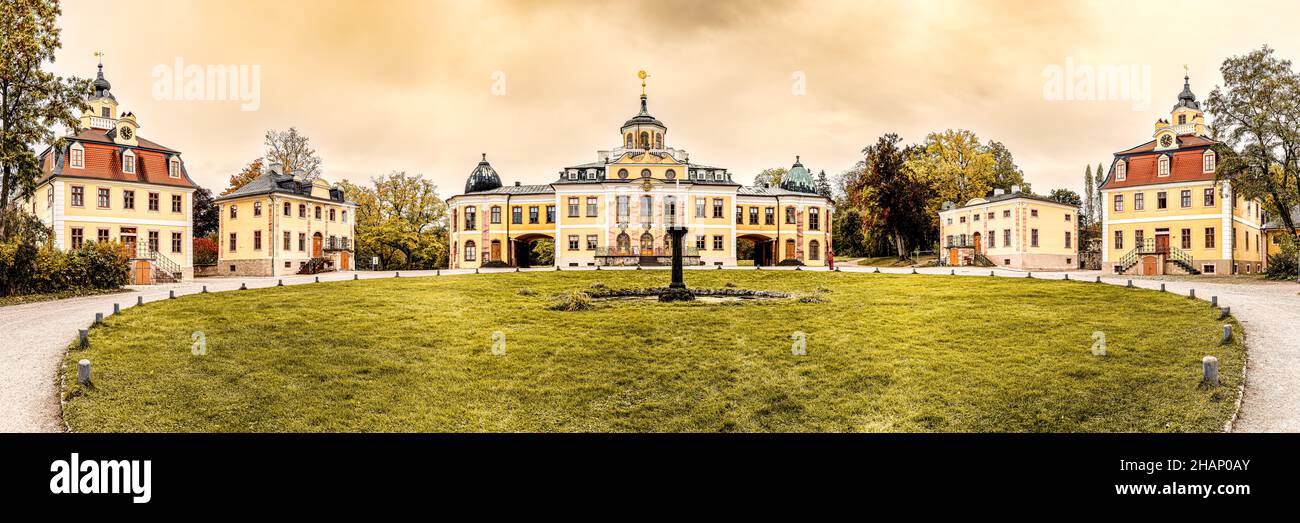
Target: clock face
1166, 140
126, 133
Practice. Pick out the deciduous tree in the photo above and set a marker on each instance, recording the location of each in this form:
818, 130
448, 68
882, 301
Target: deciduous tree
893, 194
293, 151
241, 178
32, 101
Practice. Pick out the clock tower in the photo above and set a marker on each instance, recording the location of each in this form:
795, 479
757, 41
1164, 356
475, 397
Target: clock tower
1185, 119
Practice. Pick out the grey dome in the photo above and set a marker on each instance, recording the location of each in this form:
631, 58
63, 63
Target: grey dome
483, 178
1187, 98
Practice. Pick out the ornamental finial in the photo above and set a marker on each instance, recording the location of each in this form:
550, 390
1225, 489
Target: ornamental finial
642, 75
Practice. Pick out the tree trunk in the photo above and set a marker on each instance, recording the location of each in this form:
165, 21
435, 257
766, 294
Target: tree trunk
898, 245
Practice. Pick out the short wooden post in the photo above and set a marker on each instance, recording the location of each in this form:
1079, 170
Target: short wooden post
877, 270
1210, 370
476, 270
1227, 333
798, 268
437, 272
991, 274
83, 372
279, 283
913, 270
83, 338
99, 318
397, 274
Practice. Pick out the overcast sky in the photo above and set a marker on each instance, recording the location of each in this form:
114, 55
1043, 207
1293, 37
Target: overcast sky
425, 87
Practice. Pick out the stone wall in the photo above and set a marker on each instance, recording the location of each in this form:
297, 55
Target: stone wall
244, 268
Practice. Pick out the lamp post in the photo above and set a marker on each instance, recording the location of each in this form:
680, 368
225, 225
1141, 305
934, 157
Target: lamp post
677, 288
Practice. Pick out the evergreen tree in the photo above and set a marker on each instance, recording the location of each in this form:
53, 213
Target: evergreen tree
1089, 201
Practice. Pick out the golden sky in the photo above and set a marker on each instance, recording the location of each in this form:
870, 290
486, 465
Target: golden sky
387, 85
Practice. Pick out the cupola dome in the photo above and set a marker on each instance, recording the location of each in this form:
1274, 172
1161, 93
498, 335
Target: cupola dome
798, 179
483, 178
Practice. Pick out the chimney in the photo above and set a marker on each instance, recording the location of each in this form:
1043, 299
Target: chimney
1015, 189
516, 183
998, 192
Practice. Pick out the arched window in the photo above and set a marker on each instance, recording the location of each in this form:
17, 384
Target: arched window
644, 140
814, 219
469, 251
1121, 170
1162, 166
77, 156
647, 242
659, 141
671, 174
624, 242
629, 140
1207, 161
814, 250
670, 209
645, 173
622, 173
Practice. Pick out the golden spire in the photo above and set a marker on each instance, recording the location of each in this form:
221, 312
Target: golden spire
642, 75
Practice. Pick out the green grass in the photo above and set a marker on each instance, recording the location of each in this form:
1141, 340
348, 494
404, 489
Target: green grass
884, 353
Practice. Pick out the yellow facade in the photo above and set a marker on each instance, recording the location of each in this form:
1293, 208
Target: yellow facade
1219, 231
617, 211
1011, 230
276, 233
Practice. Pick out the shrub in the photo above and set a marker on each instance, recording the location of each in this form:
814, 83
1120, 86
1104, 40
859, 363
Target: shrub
525, 291
205, 251
572, 302
1282, 265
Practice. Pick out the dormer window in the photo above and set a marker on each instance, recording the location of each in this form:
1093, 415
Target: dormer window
1121, 170
573, 175
174, 168
1162, 166
77, 156
1207, 162
128, 162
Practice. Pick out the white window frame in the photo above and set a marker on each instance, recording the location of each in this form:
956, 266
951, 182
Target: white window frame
174, 168
129, 167
77, 156
1121, 170
1162, 166
1208, 161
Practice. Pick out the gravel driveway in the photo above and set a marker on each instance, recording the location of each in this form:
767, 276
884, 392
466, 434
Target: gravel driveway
37, 334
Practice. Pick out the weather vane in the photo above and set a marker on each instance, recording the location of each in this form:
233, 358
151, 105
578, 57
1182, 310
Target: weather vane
100, 55
642, 75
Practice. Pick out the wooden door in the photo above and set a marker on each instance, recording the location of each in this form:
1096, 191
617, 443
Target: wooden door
316, 245
789, 249
977, 243
496, 251
345, 260
1162, 243
1149, 266
952, 256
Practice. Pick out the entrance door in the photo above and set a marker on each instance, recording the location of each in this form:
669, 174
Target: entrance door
345, 261
789, 249
496, 250
127, 237
316, 240
977, 243
1162, 243
647, 244
952, 256
1149, 266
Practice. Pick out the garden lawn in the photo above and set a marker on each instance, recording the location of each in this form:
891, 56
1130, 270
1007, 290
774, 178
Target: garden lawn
885, 353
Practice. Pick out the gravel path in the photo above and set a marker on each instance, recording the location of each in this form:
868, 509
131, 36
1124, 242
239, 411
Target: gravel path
37, 334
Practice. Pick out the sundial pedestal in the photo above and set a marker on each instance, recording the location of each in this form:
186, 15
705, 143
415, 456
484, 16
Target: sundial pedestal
677, 288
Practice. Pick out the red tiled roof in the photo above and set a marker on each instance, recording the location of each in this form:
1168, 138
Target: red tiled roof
1185, 164
103, 160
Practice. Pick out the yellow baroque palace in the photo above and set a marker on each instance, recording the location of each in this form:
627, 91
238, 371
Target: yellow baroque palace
615, 211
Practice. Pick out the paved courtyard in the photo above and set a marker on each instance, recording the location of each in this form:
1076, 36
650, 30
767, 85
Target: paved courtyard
36, 335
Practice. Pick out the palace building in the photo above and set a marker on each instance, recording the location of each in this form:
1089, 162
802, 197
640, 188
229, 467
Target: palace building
108, 183
1165, 212
615, 211
282, 223
1010, 229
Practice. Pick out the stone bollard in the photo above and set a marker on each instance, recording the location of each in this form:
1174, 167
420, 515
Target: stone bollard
1191, 293
476, 270
557, 268
877, 270
99, 318
1227, 334
1098, 279
318, 279
1225, 312
356, 277
1214, 301
244, 287
397, 274
953, 273
1210, 370
1029, 275
83, 372
205, 289
913, 270
116, 309
798, 268
991, 274
1067, 276
1162, 287
437, 272
279, 283
171, 295
139, 300
83, 338
1130, 283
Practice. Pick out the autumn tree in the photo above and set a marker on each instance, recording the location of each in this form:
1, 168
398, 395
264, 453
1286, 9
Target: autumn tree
770, 177
1257, 121
955, 166
245, 175
893, 195
293, 152
401, 220
1005, 172
32, 101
